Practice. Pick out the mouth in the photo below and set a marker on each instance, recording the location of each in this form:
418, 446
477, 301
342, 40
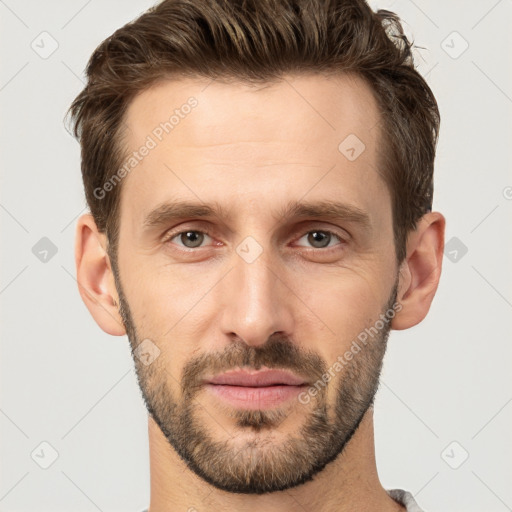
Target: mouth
255, 389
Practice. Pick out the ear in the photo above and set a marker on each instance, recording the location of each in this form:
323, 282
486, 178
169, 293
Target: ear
95, 278
420, 271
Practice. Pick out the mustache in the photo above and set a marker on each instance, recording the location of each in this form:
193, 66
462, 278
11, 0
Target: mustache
277, 353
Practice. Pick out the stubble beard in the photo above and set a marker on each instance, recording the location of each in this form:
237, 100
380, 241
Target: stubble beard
259, 464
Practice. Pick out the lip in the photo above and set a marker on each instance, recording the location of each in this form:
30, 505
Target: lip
257, 378
255, 389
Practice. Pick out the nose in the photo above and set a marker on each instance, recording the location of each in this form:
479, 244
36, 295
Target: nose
256, 300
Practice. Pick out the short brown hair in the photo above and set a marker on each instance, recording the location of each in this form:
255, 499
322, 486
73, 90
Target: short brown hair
257, 41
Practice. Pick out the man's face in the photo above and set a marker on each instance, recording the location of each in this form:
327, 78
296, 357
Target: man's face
244, 312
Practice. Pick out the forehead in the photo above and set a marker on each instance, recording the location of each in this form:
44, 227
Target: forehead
304, 134
296, 104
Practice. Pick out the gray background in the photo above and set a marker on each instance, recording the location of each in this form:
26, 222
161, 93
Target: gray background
446, 388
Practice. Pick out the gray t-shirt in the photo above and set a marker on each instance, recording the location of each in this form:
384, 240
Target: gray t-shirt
400, 496
406, 499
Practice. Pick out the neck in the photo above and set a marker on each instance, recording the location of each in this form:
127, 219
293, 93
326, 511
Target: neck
348, 483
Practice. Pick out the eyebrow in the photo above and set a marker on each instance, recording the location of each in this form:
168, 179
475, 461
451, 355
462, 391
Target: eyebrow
333, 210
326, 209
170, 211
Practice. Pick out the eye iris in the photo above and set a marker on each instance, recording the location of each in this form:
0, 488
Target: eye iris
194, 237
319, 237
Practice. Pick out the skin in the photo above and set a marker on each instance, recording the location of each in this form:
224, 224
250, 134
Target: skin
253, 151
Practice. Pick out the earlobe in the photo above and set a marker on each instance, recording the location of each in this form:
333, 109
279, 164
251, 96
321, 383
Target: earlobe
420, 271
94, 275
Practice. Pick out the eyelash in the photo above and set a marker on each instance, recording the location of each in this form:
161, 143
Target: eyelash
170, 236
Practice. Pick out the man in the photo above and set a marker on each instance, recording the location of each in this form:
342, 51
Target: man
259, 175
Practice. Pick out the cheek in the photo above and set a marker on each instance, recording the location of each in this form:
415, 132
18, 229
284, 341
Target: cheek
162, 310
161, 295
343, 303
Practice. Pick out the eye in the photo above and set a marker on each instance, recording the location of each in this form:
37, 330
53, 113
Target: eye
189, 239
193, 239
321, 238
